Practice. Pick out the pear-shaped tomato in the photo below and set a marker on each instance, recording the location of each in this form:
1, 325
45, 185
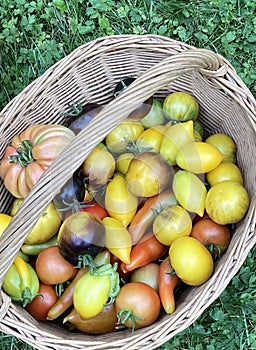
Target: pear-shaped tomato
119, 202
118, 239
176, 136
198, 157
190, 191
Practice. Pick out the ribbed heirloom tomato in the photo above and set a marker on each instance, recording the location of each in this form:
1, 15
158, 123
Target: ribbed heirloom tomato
30, 154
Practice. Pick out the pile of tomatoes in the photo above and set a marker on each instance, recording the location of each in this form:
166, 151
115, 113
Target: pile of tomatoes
148, 213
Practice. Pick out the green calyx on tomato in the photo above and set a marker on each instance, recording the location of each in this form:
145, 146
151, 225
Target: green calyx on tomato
21, 282
96, 289
24, 156
124, 315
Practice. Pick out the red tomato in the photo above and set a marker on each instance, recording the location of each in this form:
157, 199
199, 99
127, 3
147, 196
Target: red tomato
137, 305
52, 268
213, 236
92, 207
41, 304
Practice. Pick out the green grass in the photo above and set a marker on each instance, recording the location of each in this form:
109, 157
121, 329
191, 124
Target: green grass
36, 34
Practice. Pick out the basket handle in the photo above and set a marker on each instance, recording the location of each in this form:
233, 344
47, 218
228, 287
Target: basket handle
206, 62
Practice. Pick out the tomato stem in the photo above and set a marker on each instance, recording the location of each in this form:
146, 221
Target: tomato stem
77, 109
24, 156
126, 314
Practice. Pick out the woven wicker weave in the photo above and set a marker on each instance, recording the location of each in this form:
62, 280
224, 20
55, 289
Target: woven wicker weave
89, 74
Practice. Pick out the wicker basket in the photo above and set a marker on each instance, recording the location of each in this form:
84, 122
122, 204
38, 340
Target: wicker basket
89, 74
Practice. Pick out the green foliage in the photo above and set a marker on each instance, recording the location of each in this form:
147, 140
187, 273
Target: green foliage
36, 34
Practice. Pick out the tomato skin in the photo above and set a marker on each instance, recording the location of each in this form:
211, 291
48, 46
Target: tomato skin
42, 303
140, 299
213, 236
45, 227
168, 280
191, 261
144, 252
52, 268
147, 274
148, 174
128, 130
119, 202
30, 154
92, 207
21, 281
91, 294
4, 222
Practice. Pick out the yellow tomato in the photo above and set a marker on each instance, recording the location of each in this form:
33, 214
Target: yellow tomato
225, 145
191, 261
98, 167
190, 191
224, 172
151, 139
123, 162
173, 222
118, 239
4, 222
176, 136
148, 174
46, 226
119, 202
198, 157
126, 132
227, 202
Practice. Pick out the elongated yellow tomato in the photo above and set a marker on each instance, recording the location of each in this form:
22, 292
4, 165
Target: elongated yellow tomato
126, 132
227, 202
191, 261
173, 222
4, 222
119, 202
151, 139
226, 171
118, 239
189, 191
91, 293
46, 226
176, 136
198, 157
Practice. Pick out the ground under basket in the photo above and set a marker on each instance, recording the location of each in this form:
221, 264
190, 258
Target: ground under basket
89, 74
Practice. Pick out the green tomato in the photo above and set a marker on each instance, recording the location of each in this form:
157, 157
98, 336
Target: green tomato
180, 106
91, 293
